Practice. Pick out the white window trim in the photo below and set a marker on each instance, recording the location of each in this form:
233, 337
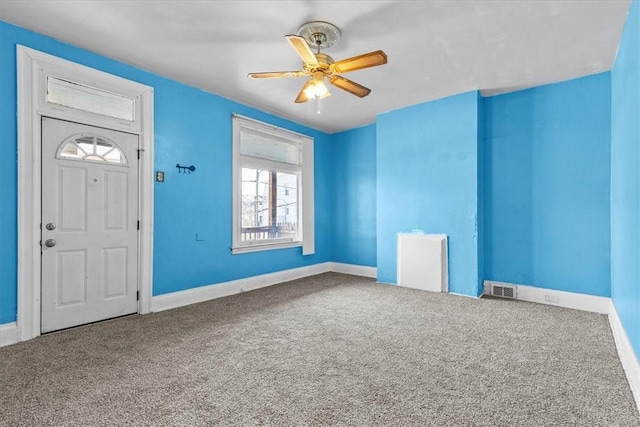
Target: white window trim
32, 68
305, 196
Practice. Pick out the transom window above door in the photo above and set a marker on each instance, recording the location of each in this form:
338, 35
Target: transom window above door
92, 148
90, 99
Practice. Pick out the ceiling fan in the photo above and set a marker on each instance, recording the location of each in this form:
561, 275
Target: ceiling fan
319, 66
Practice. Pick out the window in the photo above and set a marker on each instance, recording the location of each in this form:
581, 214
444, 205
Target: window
272, 188
92, 148
90, 99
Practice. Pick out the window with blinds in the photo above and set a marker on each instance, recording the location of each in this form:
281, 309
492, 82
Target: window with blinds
272, 187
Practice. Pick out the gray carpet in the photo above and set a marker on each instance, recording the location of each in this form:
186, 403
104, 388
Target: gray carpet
327, 350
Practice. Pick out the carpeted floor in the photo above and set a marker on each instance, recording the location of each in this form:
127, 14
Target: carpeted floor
327, 350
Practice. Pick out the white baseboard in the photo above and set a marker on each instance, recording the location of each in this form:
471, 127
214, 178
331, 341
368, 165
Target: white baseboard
8, 334
628, 357
564, 299
219, 290
356, 270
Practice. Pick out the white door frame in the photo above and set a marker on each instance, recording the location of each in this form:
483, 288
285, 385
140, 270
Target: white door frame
32, 68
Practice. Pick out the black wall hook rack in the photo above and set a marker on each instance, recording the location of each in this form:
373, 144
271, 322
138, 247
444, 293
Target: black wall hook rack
184, 169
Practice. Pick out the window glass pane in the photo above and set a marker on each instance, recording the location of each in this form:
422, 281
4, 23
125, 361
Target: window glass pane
72, 151
85, 143
86, 98
269, 205
264, 146
114, 156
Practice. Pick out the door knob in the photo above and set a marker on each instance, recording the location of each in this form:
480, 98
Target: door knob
50, 243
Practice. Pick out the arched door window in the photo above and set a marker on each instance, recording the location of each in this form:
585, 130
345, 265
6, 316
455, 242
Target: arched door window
91, 148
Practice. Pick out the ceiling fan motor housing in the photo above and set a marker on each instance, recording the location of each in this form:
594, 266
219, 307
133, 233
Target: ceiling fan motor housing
323, 66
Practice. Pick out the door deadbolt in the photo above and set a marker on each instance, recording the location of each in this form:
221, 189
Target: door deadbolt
50, 243
50, 226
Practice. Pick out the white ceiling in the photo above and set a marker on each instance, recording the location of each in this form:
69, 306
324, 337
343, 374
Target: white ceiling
435, 48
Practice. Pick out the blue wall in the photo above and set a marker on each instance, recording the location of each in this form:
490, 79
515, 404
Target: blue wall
625, 179
481, 170
547, 186
191, 127
353, 185
8, 180
427, 173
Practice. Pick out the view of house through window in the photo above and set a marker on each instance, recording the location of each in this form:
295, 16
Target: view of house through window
269, 205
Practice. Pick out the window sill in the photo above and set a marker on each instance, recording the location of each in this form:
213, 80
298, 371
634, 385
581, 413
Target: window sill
264, 247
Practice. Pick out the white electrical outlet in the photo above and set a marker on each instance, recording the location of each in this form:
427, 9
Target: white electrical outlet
551, 298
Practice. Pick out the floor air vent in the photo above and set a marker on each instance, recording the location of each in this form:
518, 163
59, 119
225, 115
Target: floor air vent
503, 291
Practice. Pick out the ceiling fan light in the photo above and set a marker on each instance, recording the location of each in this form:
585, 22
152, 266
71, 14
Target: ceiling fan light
321, 90
317, 90
310, 92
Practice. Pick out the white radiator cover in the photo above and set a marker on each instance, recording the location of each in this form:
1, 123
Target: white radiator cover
422, 262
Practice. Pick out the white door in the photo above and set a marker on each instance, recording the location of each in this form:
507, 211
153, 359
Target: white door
89, 224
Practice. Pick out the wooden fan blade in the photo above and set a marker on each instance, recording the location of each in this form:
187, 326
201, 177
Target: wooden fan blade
302, 96
302, 49
273, 74
367, 60
349, 86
